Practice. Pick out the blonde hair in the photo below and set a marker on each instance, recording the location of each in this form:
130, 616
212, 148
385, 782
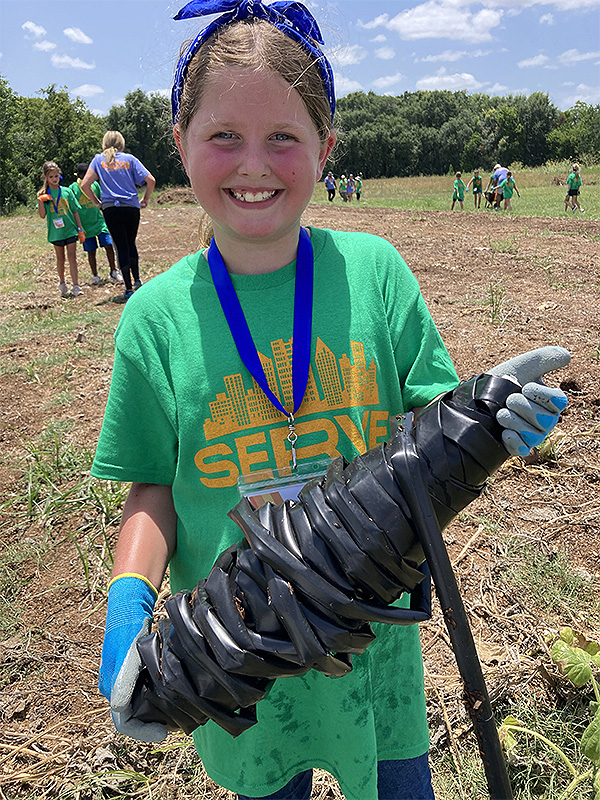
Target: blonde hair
112, 143
575, 167
255, 45
47, 166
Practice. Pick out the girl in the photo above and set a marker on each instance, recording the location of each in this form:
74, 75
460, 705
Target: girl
59, 207
119, 175
459, 191
477, 182
574, 182
507, 187
253, 104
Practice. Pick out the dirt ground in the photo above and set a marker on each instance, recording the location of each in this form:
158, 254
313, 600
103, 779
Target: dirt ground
496, 286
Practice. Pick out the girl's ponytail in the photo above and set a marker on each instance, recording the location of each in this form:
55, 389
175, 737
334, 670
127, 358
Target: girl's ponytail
112, 143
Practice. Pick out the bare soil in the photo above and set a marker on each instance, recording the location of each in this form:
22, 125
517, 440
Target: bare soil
496, 286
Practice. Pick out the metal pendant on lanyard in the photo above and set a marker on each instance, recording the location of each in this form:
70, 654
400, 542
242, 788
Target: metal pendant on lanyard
303, 297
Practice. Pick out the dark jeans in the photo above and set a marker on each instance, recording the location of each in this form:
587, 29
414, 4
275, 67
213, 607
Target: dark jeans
396, 780
330, 194
123, 223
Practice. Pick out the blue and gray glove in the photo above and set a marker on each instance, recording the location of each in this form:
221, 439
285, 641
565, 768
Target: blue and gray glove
532, 412
131, 600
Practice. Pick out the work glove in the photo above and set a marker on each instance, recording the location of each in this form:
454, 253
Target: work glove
44, 198
81, 235
532, 412
131, 600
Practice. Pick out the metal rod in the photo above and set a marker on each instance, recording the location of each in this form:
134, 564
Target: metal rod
476, 698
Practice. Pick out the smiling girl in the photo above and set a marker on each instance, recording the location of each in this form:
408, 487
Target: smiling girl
269, 328
59, 207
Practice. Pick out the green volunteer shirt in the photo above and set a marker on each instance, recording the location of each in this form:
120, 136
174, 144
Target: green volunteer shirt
92, 219
507, 187
574, 180
60, 221
459, 189
184, 411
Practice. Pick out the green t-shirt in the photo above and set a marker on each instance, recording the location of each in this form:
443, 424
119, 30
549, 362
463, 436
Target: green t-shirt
183, 411
60, 221
92, 219
507, 187
574, 180
459, 189
477, 183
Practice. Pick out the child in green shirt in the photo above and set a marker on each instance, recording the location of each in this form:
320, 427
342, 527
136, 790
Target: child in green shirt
59, 207
459, 191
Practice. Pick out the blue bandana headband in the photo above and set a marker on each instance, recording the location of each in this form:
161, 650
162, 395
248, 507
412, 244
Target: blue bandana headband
293, 19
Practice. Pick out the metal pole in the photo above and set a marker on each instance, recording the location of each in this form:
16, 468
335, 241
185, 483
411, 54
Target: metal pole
476, 698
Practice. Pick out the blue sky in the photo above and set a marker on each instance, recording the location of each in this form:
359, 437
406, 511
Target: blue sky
102, 49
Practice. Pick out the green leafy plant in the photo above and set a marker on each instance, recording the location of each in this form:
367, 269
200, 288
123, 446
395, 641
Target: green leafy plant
496, 301
577, 658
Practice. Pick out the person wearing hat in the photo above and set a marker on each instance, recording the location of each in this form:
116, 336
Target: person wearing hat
344, 188
95, 228
498, 177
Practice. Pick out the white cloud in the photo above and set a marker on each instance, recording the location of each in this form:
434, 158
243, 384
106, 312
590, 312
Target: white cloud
441, 19
379, 38
547, 19
571, 57
454, 55
455, 82
77, 35
497, 88
66, 62
382, 19
447, 55
583, 93
535, 61
159, 92
348, 54
345, 85
387, 81
385, 53
87, 90
44, 46
34, 31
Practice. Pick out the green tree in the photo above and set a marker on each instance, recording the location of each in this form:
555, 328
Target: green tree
145, 122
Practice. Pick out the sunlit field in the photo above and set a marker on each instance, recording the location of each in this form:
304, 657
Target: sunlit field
542, 192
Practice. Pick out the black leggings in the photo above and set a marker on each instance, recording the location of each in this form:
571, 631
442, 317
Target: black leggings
123, 223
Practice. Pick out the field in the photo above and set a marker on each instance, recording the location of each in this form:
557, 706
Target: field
542, 192
526, 553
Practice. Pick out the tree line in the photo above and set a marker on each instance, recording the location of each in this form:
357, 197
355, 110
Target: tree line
436, 132
416, 133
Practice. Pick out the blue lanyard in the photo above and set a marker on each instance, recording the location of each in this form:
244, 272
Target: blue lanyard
303, 298
55, 205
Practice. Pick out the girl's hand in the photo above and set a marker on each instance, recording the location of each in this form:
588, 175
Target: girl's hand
131, 601
534, 408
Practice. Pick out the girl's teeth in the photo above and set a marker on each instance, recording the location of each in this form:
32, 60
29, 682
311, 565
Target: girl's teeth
248, 197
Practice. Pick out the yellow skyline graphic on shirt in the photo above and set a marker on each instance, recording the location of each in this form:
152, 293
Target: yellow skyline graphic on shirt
342, 383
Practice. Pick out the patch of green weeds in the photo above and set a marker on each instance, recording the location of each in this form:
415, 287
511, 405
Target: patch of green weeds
510, 244
59, 491
13, 558
545, 580
495, 302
